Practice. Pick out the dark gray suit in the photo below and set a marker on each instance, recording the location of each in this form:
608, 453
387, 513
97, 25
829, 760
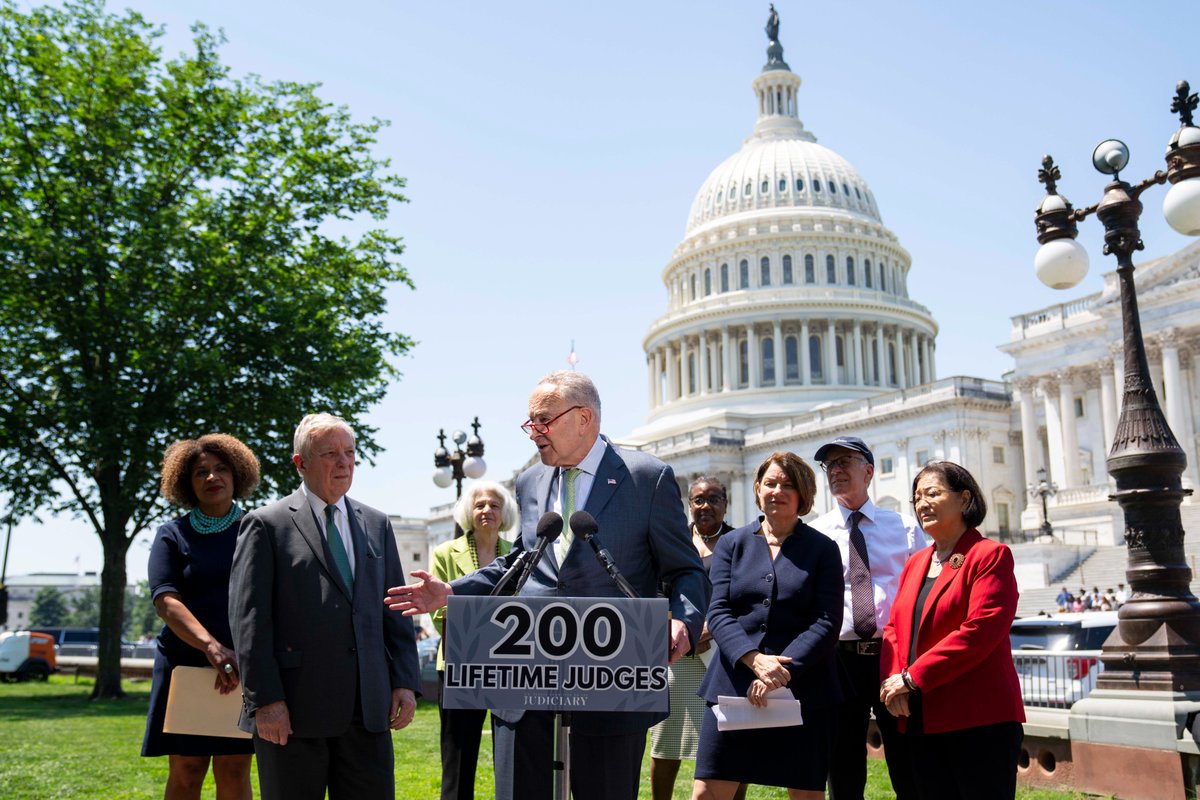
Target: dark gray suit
636, 503
302, 636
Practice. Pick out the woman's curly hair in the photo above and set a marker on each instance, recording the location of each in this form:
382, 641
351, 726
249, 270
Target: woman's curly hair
176, 483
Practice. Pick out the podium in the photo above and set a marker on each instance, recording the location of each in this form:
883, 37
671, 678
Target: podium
560, 654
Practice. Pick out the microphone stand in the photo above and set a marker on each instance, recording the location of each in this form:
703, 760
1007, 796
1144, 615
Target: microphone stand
610, 566
562, 719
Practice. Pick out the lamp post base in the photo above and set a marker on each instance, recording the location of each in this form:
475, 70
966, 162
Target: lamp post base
1135, 744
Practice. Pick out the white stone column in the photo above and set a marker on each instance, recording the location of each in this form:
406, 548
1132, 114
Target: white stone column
1154, 357
777, 348
917, 379
1118, 364
738, 509
927, 353
901, 374
655, 367
685, 374
1031, 451
831, 374
1109, 407
672, 374
727, 361
805, 376
754, 356
932, 362
702, 355
881, 353
1172, 383
1054, 437
859, 369
1070, 431
1190, 360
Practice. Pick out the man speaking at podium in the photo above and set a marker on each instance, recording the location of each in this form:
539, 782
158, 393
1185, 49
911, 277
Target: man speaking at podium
636, 503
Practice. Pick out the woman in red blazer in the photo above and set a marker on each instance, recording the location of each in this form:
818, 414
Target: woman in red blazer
946, 664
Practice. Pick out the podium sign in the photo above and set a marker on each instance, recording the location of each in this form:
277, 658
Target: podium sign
556, 653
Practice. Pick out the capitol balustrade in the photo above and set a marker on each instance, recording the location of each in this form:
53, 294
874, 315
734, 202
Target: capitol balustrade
1056, 317
686, 442
1082, 495
845, 414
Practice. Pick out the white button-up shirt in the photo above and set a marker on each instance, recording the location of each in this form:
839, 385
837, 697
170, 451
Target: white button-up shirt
891, 538
339, 519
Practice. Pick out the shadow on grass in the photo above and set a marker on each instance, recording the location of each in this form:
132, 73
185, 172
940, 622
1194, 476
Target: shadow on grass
60, 699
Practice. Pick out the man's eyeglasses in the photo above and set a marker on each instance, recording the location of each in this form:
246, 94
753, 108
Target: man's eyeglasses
843, 463
701, 500
543, 428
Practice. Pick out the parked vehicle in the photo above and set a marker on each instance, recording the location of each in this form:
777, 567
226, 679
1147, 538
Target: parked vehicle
1058, 657
73, 641
427, 656
26, 655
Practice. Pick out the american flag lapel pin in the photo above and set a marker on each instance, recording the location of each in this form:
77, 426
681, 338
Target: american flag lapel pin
612, 481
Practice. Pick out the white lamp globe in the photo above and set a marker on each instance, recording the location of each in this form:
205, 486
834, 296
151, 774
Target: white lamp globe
443, 477
474, 467
1061, 263
1181, 207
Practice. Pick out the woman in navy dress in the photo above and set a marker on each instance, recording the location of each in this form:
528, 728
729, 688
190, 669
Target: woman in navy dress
189, 581
775, 615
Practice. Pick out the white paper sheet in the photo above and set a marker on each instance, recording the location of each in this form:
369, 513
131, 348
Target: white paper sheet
736, 713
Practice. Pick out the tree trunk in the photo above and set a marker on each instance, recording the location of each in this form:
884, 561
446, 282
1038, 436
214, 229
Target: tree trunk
112, 612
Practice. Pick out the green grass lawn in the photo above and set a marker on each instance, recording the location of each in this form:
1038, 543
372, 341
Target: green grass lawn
56, 743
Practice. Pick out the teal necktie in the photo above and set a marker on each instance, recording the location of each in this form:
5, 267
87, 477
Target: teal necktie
568, 508
337, 549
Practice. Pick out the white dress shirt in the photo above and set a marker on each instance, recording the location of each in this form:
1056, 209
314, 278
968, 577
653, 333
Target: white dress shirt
891, 538
339, 519
583, 481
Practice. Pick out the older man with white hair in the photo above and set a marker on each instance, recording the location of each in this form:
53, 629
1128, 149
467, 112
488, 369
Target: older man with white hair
326, 674
874, 544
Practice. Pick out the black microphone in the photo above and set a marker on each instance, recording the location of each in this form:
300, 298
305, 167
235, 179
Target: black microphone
584, 526
548, 529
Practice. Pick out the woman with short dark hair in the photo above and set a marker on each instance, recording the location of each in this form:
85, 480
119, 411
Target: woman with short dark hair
946, 665
188, 572
775, 615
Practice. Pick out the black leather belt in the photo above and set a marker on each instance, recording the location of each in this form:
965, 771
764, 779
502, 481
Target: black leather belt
862, 647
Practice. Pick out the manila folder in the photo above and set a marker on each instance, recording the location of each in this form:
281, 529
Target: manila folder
195, 707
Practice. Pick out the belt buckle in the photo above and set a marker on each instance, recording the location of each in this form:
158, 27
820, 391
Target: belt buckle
866, 647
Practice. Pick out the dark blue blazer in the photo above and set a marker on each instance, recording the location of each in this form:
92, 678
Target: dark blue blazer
636, 503
789, 607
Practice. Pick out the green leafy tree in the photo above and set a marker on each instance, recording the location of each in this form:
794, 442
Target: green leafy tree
85, 608
169, 269
141, 617
49, 608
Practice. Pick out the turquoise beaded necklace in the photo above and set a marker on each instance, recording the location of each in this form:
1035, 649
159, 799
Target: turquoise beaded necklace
203, 523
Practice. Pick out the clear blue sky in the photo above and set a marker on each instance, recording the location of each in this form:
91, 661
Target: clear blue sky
553, 149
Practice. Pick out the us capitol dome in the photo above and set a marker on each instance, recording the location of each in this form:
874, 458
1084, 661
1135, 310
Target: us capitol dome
787, 292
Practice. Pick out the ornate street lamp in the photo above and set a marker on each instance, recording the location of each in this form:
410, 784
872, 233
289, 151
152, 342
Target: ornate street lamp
454, 465
1157, 642
1043, 489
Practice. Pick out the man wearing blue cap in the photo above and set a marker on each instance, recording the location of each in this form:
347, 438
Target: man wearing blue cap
874, 544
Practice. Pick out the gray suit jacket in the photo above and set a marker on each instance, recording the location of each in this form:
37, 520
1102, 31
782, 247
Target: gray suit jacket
636, 503
302, 636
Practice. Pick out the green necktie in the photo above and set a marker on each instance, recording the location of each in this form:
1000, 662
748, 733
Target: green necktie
337, 549
564, 540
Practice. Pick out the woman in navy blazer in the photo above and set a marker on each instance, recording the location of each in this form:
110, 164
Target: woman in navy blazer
775, 615
947, 664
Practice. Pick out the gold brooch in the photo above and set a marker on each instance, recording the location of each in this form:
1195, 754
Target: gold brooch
956, 560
